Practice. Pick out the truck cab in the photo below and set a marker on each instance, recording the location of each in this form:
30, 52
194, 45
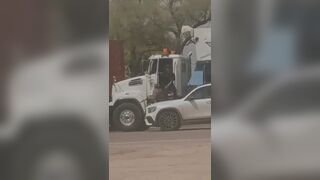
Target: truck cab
130, 97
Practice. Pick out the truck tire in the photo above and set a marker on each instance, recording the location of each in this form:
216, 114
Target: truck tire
58, 155
128, 117
169, 120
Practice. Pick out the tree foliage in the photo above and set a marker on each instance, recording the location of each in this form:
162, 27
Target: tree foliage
146, 26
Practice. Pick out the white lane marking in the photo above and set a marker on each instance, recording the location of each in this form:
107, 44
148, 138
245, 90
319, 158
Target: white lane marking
162, 141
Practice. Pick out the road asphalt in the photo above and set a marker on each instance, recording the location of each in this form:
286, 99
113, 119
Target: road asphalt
156, 155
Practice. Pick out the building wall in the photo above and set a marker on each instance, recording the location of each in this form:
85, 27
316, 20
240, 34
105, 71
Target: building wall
116, 62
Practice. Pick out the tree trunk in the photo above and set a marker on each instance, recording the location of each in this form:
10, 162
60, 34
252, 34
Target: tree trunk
134, 67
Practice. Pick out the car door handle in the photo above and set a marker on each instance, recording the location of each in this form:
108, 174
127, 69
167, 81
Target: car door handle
209, 102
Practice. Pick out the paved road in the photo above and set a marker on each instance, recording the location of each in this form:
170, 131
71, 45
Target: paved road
157, 155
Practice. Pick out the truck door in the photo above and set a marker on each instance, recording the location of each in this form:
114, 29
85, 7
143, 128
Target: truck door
152, 77
181, 69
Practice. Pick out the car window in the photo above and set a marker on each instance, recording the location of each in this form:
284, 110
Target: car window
202, 93
293, 98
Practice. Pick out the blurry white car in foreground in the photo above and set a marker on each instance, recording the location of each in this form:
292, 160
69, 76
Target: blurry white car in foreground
274, 135
57, 117
193, 108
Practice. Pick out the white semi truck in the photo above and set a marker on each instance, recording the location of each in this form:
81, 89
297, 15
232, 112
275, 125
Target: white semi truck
192, 68
200, 45
130, 97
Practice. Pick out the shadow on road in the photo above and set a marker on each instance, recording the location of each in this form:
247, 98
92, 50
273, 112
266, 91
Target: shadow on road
192, 129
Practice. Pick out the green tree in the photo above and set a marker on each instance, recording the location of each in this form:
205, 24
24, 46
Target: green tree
146, 26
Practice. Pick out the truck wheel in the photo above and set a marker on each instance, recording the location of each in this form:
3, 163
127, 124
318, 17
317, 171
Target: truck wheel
169, 120
128, 117
58, 155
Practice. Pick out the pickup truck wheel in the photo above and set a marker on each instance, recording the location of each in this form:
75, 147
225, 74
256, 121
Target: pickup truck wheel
128, 117
169, 120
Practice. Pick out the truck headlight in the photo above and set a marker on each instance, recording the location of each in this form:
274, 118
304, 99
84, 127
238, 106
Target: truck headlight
152, 109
